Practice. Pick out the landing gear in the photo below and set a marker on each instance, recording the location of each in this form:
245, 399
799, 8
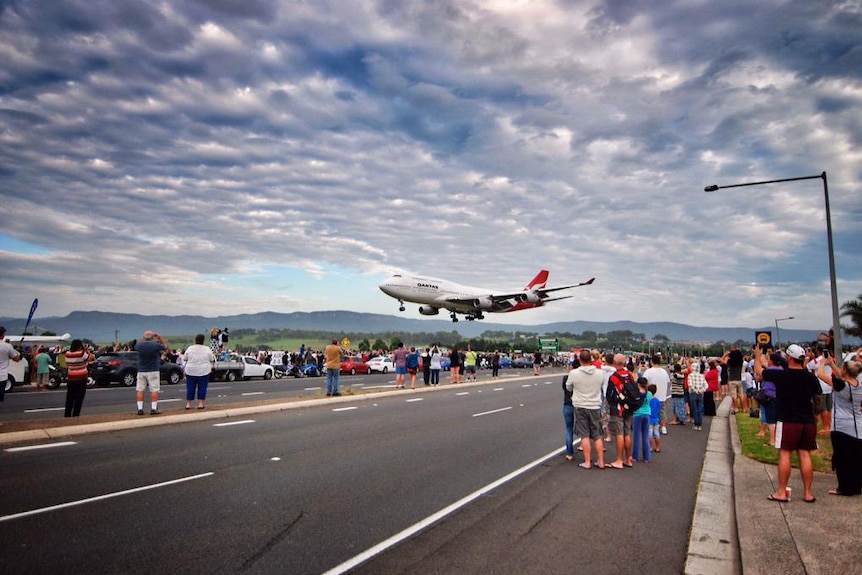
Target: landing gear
454, 316
402, 308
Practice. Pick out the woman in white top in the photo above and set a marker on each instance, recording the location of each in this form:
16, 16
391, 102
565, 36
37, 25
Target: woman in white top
197, 365
436, 366
846, 433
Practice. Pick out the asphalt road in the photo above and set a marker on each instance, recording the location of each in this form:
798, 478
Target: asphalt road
306, 490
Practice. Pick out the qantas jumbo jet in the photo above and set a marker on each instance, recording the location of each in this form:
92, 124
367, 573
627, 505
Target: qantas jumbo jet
472, 302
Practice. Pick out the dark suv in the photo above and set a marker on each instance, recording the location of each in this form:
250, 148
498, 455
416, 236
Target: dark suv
122, 367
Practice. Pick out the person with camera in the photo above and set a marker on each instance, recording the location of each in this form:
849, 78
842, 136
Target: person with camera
824, 408
77, 359
150, 352
846, 432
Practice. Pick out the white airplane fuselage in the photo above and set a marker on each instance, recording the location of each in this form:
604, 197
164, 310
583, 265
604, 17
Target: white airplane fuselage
439, 293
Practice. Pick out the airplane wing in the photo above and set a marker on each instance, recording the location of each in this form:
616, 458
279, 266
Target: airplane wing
503, 301
542, 293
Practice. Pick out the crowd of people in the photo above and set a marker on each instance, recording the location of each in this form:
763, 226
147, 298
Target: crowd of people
611, 399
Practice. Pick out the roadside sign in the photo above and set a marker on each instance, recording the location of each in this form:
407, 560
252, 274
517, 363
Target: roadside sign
764, 339
549, 345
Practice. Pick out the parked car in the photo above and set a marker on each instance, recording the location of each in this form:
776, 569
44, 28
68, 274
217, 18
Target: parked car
241, 367
353, 364
523, 361
381, 363
122, 367
505, 362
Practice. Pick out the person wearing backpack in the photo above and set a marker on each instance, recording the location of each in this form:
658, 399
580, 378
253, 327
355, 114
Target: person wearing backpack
412, 366
623, 399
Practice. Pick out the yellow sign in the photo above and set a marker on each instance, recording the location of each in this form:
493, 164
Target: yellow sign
764, 339
345, 342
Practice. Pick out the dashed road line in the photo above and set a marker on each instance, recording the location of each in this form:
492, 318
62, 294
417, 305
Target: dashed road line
102, 497
491, 412
42, 446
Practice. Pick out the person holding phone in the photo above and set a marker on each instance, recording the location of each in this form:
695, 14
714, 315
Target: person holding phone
78, 358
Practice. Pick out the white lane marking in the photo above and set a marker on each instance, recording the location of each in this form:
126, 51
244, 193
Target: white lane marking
41, 409
527, 385
241, 422
415, 399
345, 408
492, 411
253, 393
169, 400
432, 519
498, 389
380, 386
102, 497
463, 393
312, 388
43, 446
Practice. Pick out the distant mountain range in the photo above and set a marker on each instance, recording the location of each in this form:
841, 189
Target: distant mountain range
104, 327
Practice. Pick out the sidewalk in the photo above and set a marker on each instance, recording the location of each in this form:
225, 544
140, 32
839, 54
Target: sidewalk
736, 529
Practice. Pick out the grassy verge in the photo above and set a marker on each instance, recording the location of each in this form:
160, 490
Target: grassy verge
754, 446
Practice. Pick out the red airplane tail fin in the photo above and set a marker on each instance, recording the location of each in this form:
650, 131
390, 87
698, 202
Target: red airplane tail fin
539, 281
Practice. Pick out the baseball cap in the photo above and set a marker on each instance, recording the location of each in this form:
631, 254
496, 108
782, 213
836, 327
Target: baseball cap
795, 351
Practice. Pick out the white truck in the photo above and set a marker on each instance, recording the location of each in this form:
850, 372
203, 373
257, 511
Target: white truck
240, 367
20, 371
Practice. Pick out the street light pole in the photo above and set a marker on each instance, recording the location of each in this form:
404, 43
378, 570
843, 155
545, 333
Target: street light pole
777, 332
833, 287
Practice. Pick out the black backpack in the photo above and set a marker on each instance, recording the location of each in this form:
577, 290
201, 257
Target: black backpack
633, 399
630, 397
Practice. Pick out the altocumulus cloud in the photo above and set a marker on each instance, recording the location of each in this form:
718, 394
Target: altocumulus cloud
218, 157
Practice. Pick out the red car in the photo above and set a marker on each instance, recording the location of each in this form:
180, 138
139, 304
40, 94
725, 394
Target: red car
353, 364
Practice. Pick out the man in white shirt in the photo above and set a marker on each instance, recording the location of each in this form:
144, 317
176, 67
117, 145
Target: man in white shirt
660, 378
7, 352
585, 383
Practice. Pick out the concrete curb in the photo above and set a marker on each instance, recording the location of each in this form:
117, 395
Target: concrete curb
713, 547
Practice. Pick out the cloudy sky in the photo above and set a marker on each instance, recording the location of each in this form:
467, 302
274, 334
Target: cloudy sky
217, 157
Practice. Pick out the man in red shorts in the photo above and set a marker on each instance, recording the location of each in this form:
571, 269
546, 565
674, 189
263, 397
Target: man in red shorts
796, 430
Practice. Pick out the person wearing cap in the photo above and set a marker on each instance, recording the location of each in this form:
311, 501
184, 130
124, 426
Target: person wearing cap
150, 352
7, 353
796, 430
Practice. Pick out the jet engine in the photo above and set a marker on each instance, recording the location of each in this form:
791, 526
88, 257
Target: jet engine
483, 303
428, 310
529, 296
